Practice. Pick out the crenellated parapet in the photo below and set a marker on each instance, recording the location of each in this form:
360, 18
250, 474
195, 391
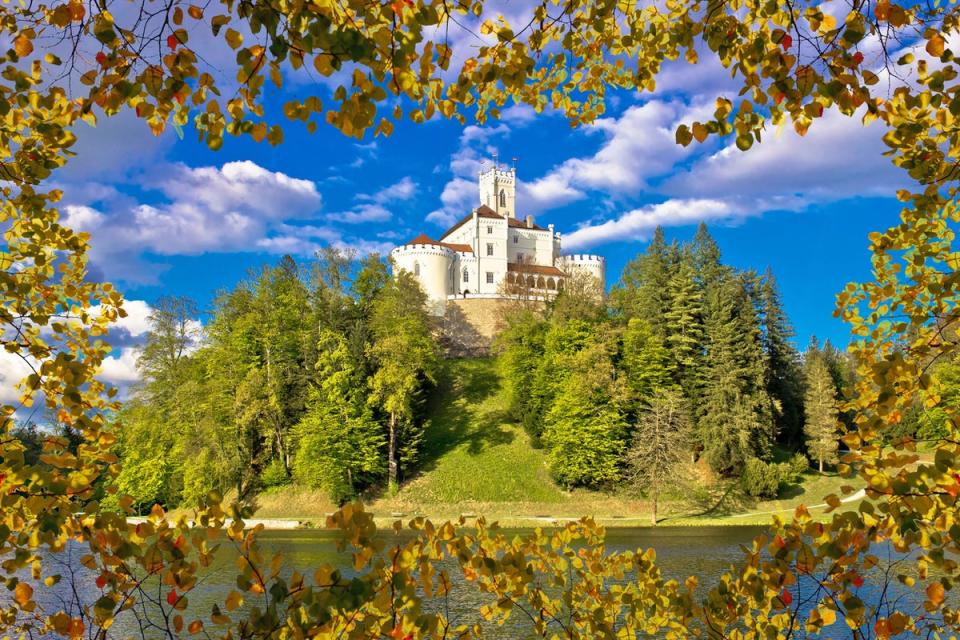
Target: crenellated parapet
586, 263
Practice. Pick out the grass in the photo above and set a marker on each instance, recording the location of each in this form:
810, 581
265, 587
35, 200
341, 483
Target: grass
475, 461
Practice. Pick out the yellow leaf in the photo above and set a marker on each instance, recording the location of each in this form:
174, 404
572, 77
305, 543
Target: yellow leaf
234, 600
23, 45
936, 45
935, 593
22, 593
234, 39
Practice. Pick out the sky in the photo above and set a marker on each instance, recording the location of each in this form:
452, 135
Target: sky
168, 216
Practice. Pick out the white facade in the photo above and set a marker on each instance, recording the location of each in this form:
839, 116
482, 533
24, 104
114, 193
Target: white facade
491, 250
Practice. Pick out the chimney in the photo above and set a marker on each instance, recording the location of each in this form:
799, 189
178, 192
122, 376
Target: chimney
529, 222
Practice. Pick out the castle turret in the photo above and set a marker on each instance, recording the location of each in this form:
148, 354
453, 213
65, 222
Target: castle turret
498, 190
591, 264
433, 266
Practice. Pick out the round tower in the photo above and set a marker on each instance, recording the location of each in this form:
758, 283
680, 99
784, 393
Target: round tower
432, 265
586, 263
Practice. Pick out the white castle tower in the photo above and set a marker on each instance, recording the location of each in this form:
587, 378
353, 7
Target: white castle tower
498, 190
491, 252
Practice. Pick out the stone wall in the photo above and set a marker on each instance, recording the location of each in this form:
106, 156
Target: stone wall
469, 325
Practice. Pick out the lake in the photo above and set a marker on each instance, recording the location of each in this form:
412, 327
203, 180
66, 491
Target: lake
706, 552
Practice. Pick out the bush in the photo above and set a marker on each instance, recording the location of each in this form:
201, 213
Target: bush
764, 479
760, 479
274, 475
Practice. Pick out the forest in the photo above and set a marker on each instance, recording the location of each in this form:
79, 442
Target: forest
319, 374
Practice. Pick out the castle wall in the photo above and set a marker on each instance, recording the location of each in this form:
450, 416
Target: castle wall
469, 325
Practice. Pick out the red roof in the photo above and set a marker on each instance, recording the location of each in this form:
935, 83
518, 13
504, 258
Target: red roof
534, 268
425, 239
483, 211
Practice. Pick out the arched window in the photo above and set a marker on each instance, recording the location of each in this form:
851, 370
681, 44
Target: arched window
416, 268
466, 275
503, 198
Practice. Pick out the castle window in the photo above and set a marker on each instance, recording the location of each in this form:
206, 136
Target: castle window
516, 239
489, 277
416, 268
489, 229
466, 275
503, 198
489, 249
520, 258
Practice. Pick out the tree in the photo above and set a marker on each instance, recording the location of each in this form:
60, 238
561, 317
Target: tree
585, 428
736, 420
644, 285
683, 318
820, 408
174, 330
784, 379
661, 443
645, 361
339, 442
405, 358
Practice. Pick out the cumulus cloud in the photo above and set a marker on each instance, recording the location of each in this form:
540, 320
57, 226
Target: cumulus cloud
236, 207
375, 207
839, 158
639, 146
637, 224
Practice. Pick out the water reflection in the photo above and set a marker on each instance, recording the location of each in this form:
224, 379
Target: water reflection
706, 552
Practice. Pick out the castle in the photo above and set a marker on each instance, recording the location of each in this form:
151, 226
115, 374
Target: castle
491, 252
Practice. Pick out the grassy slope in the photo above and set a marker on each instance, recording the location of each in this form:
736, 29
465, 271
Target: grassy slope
475, 461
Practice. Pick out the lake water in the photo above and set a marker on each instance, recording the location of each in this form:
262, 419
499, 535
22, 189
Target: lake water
706, 552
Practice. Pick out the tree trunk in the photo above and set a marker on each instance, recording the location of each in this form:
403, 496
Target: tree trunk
821, 465
392, 467
653, 507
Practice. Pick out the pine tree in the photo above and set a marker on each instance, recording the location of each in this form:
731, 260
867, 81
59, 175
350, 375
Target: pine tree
820, 405
661, 442
684, 327
705, 255
784, 376
643, 288
645, 361
736, 420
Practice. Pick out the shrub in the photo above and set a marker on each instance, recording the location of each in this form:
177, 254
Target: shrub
760, 479
274, 474
764, 479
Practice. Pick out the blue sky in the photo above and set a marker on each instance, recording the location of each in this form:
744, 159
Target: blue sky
168, 216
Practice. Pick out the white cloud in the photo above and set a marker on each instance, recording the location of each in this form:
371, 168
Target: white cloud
838, 158
121, 371
374, 206
640, 146
205, 209
637, 225
13, 369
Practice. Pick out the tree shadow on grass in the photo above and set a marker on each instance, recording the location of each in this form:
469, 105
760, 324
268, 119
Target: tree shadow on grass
713, 504
457, 415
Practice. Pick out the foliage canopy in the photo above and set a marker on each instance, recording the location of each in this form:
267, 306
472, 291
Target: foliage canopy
883, 61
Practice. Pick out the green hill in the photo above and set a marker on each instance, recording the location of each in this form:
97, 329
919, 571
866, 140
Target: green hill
471, 450
476, 461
